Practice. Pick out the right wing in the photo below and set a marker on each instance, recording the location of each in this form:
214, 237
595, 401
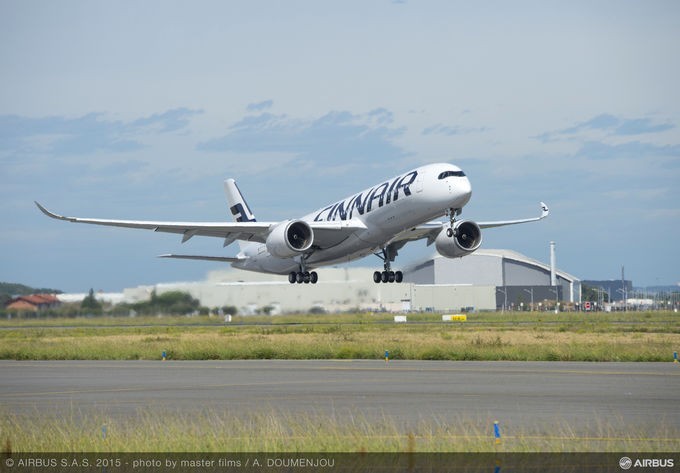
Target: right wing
326, 234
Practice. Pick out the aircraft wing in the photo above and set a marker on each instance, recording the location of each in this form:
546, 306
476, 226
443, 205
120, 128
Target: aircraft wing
432, 229
221, 259
544, 213
326, 234
253, 231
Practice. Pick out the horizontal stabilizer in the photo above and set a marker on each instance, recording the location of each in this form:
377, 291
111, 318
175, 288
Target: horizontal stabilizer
223, 259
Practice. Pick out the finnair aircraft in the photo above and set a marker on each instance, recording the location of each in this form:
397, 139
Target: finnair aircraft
379, 220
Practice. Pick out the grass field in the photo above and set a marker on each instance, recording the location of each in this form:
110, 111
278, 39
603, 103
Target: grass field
492, 336
633, 336
215, 431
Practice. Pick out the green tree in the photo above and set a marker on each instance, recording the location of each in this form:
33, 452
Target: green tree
90, 303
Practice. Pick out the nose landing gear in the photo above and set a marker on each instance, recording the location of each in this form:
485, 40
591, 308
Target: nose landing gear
452, 213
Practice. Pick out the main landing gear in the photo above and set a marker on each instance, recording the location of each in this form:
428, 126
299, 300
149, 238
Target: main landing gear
305, 277
387, 276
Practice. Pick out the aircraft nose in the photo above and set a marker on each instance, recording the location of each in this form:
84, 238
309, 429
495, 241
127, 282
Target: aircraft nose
464, 189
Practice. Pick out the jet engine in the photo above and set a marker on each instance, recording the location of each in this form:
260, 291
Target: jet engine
465, 238
289, 239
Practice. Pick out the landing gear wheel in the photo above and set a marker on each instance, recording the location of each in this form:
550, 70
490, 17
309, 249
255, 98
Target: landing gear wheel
398, 277
376, 277
385, 276
313, 277
305, 277
299, 277
390, 276
292, 277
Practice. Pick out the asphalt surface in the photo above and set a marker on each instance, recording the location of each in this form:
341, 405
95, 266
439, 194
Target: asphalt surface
530, 395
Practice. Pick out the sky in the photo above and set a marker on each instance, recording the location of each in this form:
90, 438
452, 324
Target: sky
140, 110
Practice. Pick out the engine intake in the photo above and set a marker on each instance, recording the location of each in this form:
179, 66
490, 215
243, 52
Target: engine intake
290, 238
466, 238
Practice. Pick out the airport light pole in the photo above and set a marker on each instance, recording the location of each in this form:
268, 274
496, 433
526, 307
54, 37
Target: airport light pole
531, 291
625, 300
505, 297
557, 299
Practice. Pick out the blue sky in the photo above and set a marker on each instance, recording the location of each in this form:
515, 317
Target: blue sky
141, 110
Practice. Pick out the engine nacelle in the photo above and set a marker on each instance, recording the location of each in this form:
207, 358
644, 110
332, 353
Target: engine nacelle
289, 239
466, 238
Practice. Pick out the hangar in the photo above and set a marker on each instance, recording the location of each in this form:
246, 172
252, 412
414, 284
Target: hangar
518, 278
485, 280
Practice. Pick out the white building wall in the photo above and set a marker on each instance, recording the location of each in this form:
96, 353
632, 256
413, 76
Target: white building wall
453, 298
479, 270
522, 274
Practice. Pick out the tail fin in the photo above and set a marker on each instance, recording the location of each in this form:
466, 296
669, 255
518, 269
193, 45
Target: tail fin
237, 205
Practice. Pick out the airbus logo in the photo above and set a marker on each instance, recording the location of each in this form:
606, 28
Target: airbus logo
626, 463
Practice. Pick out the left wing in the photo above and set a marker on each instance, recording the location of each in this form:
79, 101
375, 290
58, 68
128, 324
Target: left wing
326, 234
545, 211
432, 229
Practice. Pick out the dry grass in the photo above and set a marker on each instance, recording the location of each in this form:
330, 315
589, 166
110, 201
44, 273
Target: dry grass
566, 337
220, 431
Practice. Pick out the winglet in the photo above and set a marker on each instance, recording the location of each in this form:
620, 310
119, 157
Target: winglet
51, 214
545, 211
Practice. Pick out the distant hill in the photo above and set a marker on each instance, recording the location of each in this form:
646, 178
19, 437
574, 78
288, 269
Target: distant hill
8, 289
14, 289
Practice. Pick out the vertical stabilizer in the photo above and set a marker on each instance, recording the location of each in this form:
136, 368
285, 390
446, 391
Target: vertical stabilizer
237, 205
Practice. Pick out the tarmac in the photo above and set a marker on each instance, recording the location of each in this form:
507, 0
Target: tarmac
540, 396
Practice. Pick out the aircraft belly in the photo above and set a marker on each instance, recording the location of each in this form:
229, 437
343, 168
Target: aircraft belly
350, 249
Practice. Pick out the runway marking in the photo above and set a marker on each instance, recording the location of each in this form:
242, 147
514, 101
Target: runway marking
191, 364
171, 388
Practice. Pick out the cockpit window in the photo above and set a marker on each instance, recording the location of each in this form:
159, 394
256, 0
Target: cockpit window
446, 174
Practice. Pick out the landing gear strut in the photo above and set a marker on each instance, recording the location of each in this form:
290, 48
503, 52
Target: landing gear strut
387, 275
452, 213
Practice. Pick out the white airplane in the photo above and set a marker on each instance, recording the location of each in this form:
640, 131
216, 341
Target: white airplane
378, 220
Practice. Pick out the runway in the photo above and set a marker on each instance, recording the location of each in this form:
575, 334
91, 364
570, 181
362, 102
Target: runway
527, 395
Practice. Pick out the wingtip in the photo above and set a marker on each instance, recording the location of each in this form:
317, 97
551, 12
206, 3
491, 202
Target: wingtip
42, 209
545, 211
48, 213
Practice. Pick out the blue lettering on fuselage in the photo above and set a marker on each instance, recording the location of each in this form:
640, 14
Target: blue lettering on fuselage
376, 197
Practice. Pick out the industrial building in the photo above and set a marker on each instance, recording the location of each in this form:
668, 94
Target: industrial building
518, 279
485, 280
